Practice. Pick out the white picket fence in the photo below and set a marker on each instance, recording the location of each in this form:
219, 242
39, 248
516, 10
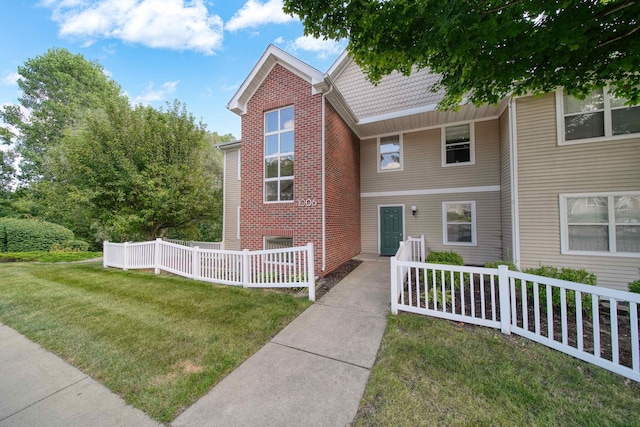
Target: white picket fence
274, 268
591, 323
192, 243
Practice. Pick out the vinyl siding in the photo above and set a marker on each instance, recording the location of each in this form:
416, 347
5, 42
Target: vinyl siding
505, 188
428, 221
231, 201
547, 170
423, 162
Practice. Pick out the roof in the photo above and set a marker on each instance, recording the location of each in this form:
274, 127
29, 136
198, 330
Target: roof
229, 145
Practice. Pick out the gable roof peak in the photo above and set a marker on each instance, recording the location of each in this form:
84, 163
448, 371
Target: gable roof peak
271, 57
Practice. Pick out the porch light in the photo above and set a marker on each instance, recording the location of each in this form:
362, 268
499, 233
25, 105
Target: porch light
414, 210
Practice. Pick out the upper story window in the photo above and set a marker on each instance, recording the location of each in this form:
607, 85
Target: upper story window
600, 115
458, 145
600, 224
278, 155
390, 153
459, 223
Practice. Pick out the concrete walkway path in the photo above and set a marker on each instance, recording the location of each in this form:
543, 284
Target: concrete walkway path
314, 372
37, 388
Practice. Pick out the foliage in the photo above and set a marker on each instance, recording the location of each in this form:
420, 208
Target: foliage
495, 264
634, 286
569, 274
485, 51
136, 172
70, 246
7, 171
160, 342
55, 256
445, 257
22, 235
57, 88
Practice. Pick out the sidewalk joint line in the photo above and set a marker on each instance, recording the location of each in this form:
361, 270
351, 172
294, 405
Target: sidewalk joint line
320, 355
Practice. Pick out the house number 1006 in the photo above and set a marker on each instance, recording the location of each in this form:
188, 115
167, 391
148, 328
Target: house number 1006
307, 202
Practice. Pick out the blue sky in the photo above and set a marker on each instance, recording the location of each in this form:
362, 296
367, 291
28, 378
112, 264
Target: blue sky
197, 51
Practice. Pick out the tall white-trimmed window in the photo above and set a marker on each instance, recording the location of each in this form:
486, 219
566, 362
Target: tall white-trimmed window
600, 224
459, 223
458, 147
278, 155
600, 115
390, 153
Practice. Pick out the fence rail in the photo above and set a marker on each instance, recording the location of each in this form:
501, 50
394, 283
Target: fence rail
595, 324
192, 244
277, 268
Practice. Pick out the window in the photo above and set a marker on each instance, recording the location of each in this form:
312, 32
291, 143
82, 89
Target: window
390, 153
276, 242
278, 155
601, 224
600, 115
459, 223
458, 145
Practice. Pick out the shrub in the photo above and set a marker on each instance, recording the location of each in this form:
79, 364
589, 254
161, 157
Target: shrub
25, 235
569, 274
495, 264
634, 286
450, 257
70, 246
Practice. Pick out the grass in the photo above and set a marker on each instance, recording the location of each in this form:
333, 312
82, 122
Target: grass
435, 372
160, 342
54, 256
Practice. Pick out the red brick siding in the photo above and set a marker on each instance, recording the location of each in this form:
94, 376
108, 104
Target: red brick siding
342, 181
282, 88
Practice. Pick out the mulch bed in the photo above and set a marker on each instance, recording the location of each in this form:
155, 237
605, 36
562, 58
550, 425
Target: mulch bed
624, 327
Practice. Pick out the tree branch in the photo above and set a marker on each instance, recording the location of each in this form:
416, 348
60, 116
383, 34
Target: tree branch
620, 37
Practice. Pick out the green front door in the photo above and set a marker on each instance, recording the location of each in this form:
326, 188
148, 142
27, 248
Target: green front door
390, 229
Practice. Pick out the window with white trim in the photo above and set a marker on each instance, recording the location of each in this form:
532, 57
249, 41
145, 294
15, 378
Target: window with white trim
458, 146
390, 153
278, 155
604, 224
278, 242
600, 115
459, 223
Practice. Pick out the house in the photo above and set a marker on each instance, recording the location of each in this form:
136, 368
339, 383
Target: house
355, 168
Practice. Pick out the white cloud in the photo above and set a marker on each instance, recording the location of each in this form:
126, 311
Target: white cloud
10, 78
255, 13
152, 94
324, 48
171, 24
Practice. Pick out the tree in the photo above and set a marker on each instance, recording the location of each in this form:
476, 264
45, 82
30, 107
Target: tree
486, 50
137, 171
57, 89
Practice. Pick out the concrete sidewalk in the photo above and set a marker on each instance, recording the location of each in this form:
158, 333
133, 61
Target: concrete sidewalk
314, 372
38, 388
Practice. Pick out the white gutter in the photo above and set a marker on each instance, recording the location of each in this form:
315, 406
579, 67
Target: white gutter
324, 203
513, 166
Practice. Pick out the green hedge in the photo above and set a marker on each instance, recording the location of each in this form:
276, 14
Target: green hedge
25, 235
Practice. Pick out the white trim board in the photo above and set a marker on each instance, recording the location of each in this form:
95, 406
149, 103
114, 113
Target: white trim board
430, 191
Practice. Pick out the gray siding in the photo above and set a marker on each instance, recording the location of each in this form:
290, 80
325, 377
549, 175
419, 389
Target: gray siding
547, 170
423, 170
231, 201
505, 188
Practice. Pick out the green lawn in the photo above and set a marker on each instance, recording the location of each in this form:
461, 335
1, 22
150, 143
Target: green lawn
435, 372
160, 342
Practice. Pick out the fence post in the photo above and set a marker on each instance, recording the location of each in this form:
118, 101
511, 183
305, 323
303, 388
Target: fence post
104, 254
195, 262
157, 255
311, 272
394, 285
423, 249
505, 304
125, 256
245, 268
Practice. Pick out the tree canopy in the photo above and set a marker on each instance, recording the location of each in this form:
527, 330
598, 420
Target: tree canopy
136, 171
486, 50
57, 88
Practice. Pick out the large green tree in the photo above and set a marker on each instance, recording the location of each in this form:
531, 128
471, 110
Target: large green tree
487, 49
57, 88
135, 172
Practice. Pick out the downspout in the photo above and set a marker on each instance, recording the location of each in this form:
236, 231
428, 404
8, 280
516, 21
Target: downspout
513, 166
324, 204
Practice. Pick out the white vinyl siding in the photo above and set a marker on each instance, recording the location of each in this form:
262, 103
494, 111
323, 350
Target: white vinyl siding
232, 190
